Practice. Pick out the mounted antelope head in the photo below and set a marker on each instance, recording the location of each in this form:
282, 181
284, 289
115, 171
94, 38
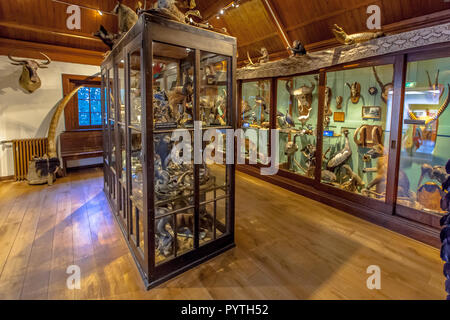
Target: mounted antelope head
355, 91
29, 79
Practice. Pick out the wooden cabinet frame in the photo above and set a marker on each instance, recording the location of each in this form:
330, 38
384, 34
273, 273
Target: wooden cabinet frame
150, 29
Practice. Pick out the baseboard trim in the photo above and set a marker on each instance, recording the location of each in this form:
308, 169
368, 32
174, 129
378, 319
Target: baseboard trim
6, 178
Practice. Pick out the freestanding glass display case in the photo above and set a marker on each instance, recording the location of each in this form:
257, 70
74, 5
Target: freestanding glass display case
362, 129
160, 81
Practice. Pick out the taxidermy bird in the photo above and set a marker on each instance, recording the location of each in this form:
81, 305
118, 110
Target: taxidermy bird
127, 17
106, 37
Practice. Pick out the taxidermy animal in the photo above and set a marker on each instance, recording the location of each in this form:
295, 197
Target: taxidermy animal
355, 91
434, 173
438, 114
265, 55
355, 183
339, 101
108, 38
385, 88
303, 95
328, 176
285, 121
345, 38
169, 9
127, 17
297, 49
342, 156
378, 152
29, 79
180, 96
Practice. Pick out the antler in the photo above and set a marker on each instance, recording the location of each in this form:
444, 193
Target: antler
16, 60
437, 79
289, 89
429, 80
377, 78
45, 63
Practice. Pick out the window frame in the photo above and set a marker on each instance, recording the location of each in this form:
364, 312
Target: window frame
71, 81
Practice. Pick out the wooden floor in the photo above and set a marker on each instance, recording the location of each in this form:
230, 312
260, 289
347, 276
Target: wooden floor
288, 247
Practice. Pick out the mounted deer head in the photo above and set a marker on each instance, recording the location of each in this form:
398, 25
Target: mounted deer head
29, 79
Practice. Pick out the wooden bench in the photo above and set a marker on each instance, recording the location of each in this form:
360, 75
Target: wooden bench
76, 145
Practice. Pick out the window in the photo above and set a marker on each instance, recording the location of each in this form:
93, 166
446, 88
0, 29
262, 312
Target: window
89, 106
84, 110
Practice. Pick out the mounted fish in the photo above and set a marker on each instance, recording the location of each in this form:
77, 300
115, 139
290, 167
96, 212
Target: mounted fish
303, 95
355, 91
29, 79
385, 88
342, 156
345, 38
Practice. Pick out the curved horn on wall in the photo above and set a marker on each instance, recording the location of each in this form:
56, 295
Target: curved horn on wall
380, 83
436, 83
45, 63
438, 114
429, 80
16, 60
289, 89
51, 136
313, 86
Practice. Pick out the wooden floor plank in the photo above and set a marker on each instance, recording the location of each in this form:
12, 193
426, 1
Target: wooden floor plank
288, 247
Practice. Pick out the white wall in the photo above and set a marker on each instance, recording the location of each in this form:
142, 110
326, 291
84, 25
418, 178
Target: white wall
24, 115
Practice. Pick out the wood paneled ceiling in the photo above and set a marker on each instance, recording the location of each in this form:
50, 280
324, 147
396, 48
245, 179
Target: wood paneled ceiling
35, 24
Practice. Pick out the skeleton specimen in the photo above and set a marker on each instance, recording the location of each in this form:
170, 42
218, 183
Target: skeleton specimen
303, 95
345, 38
355, 91
385, 88
29, 79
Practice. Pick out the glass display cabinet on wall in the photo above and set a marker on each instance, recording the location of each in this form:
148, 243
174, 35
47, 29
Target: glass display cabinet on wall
351, 133
173, 214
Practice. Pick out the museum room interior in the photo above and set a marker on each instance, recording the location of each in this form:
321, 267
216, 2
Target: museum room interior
219, 149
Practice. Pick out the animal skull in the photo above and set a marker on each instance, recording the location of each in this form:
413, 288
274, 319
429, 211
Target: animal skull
304, 100
29, 79
355, 91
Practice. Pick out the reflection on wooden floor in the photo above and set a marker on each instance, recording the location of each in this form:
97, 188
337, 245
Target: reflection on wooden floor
288, 247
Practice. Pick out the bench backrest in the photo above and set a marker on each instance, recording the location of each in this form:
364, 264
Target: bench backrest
81, 141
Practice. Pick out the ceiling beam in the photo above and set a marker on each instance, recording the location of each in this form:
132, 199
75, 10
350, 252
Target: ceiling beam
281, 29
26, 49
214, 9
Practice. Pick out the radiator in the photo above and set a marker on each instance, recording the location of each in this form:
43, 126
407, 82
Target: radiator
24, 150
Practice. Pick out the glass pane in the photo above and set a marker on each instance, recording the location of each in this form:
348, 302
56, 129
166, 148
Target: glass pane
83, 93
112, 103
360, 103
135, 88
113, 145
297, 104
83, 105
96, 119
83, 119
123, 154
214, 89
173, 82
137, 162
96, 106
255, 118
426, 131
95, 93
122, 93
